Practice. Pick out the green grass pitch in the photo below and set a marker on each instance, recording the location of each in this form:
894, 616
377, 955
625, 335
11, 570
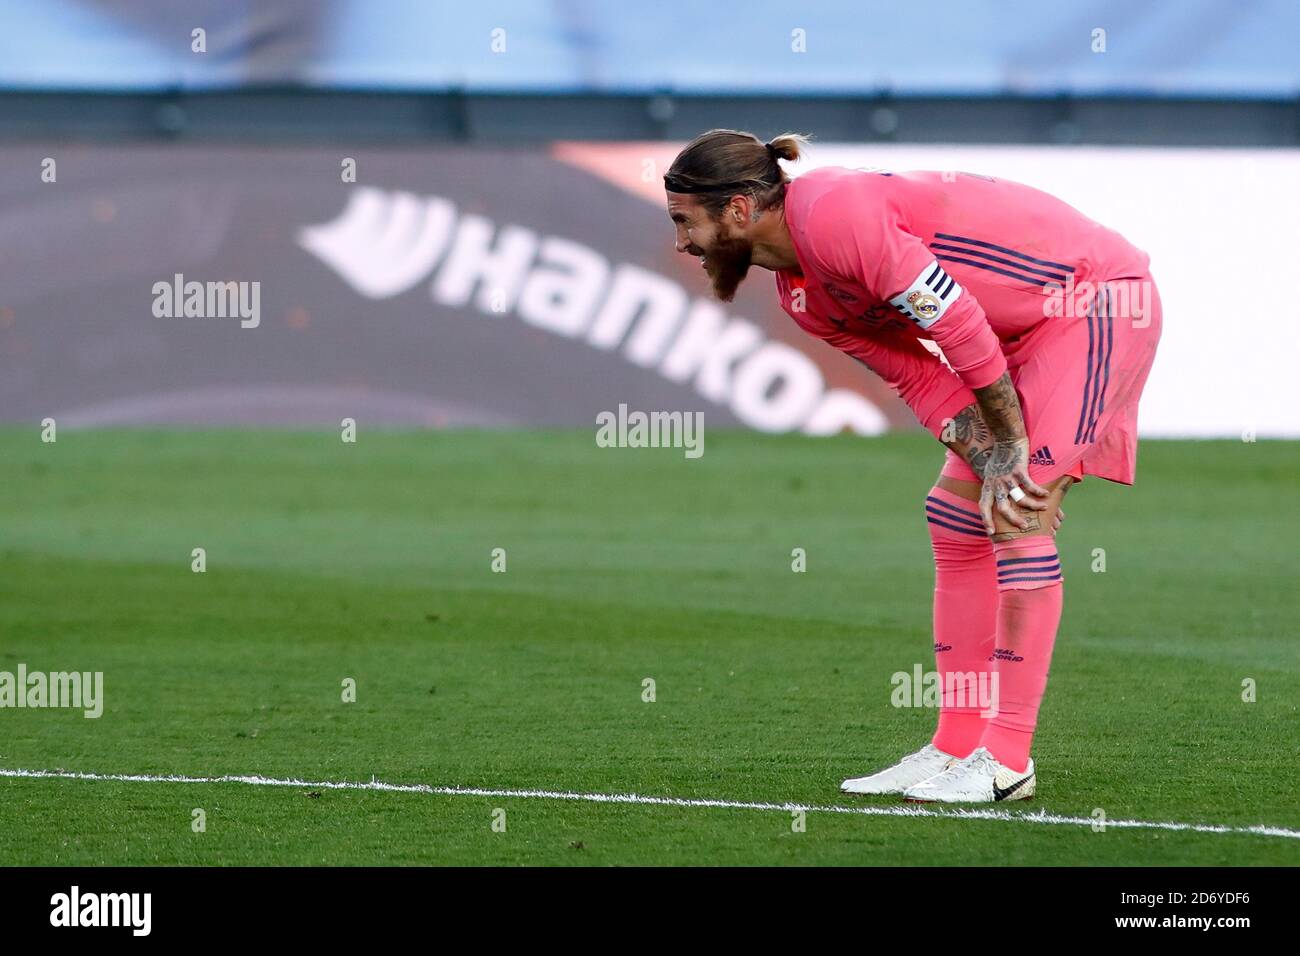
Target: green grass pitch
372, 561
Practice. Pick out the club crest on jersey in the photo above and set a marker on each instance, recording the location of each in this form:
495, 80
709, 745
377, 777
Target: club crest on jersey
923, 304
928, 296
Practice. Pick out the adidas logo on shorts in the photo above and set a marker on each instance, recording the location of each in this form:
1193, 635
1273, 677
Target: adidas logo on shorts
1042, 457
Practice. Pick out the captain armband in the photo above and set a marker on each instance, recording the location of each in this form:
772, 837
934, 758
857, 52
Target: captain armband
928, 297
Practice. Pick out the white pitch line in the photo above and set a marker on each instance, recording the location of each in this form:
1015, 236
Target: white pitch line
1041, 816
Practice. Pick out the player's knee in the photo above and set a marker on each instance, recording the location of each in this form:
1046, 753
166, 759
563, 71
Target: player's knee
1038, 523
1027, 562
956, 528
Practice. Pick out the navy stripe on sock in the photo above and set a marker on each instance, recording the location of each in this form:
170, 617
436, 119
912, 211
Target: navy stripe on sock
973, 520
977, 525
953, 527
1046, 557
954, 509
1010, 575
1030, 577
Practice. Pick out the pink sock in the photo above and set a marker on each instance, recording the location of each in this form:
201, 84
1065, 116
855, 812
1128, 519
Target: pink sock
965, 617
1029, 612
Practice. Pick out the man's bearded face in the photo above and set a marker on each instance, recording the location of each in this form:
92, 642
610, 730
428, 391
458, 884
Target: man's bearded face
727, 262
724, 251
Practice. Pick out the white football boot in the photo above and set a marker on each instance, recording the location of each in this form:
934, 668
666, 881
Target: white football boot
978, 778
912, 769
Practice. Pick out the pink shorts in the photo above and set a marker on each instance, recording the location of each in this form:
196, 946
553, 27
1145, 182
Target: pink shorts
1079, 377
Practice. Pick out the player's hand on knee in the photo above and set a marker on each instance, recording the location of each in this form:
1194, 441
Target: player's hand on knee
1008, 489
997, 508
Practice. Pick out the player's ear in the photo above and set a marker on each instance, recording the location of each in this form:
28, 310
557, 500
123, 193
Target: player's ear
739, 209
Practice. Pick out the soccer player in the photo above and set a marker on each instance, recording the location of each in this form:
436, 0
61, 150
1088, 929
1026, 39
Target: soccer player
1048, 322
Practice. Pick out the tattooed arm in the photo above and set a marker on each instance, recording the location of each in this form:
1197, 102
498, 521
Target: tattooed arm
1007, 464
969, 437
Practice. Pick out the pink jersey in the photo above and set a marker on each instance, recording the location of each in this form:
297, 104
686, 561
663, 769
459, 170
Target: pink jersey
964, 260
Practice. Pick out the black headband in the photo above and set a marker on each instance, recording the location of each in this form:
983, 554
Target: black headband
675, 185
